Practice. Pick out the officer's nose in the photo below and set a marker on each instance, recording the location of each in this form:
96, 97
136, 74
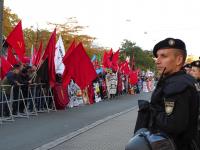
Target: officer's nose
157, 60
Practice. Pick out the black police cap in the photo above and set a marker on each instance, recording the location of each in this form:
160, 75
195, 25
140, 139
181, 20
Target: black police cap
187, 66
196, 63
169, 43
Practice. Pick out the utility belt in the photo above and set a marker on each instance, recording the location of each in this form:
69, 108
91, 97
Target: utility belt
161, 141
158, 140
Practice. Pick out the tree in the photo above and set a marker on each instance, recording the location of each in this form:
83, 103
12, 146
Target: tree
142, 59
70, 30
10, 20
34, 38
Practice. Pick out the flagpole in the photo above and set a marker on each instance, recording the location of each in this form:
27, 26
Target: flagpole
38, 66
1, 30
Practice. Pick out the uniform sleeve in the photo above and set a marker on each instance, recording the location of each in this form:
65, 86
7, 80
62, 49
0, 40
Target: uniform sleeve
11, 79
174, 117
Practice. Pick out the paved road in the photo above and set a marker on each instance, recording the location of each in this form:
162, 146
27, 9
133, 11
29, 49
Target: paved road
111, 135
27, 134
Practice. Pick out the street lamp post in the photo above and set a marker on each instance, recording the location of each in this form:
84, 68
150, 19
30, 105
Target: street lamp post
1, 30
1, 25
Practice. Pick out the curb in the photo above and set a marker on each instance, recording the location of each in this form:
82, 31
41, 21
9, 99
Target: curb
71, 135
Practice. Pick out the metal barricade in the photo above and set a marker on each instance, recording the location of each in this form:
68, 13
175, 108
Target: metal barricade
50, 100
25, 100
19, 103
44, 100
31, 99
6, 103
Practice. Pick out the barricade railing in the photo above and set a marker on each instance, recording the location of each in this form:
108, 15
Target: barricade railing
50, 99
31, 99
5, 103
44, 99
19, 101
25, 100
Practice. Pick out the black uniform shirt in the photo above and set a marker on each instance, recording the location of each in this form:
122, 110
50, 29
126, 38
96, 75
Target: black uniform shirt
174, 108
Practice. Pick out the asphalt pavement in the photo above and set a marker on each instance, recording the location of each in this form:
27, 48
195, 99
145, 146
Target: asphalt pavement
28, 134
110, 135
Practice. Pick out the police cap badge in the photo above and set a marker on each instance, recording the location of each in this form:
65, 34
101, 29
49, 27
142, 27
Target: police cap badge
169, 43
196, 63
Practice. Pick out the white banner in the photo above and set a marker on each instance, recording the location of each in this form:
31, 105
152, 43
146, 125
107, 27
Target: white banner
59, 54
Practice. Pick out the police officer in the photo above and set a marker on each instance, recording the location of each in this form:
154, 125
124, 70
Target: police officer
187, 68
173, 108
195, 72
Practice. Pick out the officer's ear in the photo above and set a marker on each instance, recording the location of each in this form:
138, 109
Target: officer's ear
179, 60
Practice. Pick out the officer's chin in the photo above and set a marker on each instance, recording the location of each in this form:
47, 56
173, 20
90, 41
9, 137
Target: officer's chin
160, 70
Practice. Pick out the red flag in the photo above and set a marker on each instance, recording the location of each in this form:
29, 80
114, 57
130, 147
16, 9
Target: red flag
91, 94
125, 68
105, 58
69, 51
60, 96
115, 58
33, 56
67, 73
110, 53
50, 54
133, 77
78, 66
16, 40
11, 58
5, 67
38, 55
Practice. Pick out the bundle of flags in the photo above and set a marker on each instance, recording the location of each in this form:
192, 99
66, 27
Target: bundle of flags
54, 59
110, 60
74, 64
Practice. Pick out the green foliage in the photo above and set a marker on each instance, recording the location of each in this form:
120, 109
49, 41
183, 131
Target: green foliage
9, 21
122, 57
142, 59
71, 30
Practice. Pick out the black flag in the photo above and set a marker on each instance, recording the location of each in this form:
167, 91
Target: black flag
42, 73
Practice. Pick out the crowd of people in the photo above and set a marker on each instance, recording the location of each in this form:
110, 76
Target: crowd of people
107, 86
17, 88
22, 79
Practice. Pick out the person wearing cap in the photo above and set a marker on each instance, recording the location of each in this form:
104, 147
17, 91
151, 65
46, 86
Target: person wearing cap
195, 72
187, 68
174, 104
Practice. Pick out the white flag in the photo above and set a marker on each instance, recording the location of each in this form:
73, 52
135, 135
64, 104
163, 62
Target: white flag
59, 54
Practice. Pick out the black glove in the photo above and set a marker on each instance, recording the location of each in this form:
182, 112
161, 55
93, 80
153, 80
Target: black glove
143, 115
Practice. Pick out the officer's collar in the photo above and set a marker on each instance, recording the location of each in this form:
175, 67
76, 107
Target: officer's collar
198, 80
174, 74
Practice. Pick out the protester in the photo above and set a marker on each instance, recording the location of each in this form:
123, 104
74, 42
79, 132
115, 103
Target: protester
12, 78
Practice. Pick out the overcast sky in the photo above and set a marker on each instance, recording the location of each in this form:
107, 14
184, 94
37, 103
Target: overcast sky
110, 21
